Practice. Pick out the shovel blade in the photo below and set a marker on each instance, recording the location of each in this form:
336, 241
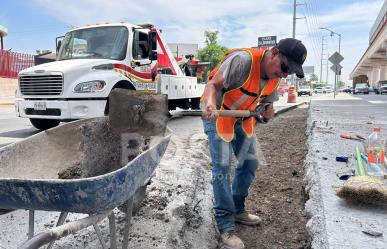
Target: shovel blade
134, 111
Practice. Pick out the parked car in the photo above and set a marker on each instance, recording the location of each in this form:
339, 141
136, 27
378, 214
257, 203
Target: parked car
381, 87
328, 89
319, 89
346, 90
304, 90
361, 88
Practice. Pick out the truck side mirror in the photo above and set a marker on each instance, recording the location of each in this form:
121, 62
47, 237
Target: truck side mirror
153, 55
152, 45
58, 43
152, 40
58, 46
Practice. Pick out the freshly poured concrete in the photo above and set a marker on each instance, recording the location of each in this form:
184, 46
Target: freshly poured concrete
334, 223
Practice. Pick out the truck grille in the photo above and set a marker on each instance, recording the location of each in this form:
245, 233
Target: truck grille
41, 84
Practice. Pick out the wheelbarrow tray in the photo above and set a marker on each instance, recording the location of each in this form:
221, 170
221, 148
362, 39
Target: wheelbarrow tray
29, 170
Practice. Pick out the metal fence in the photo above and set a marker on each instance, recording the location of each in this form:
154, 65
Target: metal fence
11, 63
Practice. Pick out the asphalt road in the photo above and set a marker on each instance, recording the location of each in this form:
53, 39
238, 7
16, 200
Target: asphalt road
12, 128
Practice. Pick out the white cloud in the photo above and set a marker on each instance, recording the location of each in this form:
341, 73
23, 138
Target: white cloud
183, 20
239, 22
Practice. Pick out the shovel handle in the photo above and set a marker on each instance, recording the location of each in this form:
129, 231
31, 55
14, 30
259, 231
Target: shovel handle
231, 113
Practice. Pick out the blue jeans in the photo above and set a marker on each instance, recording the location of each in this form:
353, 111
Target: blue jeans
230, 201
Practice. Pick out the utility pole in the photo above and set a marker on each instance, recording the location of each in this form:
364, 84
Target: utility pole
322, 54
326, 79
294, 25
294, 18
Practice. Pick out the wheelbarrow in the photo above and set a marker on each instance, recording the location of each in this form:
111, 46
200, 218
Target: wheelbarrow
80, 167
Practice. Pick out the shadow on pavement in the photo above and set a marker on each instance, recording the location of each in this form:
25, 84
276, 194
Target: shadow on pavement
23, 133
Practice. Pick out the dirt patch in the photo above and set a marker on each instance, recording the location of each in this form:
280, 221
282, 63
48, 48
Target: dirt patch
276, 194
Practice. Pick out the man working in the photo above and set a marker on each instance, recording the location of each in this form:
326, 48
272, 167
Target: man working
245, 78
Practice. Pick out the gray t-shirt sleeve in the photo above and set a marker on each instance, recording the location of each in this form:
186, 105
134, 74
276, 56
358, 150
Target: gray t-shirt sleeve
235, 69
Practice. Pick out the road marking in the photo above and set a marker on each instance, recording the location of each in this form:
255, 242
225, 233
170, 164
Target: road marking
377, 101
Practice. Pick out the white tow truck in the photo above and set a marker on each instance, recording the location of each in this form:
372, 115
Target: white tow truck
93, 60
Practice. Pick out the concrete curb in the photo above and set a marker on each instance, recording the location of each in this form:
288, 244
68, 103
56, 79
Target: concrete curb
6, 104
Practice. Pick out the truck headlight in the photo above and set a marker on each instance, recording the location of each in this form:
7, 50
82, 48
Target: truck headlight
90, 86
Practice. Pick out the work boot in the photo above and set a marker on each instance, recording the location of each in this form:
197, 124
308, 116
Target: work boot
231, 241
247, 219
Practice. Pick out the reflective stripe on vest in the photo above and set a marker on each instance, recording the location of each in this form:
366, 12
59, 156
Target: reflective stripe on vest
244, 97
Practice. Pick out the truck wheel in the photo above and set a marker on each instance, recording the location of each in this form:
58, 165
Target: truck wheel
44, 124
171, 105
184, 104
195, 103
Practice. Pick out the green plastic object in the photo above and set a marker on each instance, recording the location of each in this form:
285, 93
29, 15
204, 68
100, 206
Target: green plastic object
360, 167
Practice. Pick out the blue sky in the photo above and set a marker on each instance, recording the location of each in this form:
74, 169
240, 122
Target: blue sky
35, 24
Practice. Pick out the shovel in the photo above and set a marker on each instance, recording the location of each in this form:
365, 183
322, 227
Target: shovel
148, 114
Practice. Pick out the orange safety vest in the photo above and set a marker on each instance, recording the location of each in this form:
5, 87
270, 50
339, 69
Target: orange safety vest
245, 97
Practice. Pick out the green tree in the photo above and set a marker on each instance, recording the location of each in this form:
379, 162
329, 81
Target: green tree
212, 52
313, 78
341, 84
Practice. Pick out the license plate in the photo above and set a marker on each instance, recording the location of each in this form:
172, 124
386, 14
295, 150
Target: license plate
40, 106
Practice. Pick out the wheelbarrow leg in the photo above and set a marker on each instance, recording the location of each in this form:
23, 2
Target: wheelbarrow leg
112, 228
99, 234
31, 223
61, 220
128, 217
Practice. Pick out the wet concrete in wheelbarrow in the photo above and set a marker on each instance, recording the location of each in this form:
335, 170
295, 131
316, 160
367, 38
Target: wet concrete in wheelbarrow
103, 151
75, 150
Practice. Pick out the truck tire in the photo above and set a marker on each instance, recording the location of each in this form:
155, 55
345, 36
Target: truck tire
184, 104
195, 103
44, 124
171, 105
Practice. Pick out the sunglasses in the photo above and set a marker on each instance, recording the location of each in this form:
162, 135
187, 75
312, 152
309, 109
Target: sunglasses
284, 67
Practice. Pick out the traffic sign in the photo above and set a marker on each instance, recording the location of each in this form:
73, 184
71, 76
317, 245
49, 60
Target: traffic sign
267, 41
336, 58
336, 69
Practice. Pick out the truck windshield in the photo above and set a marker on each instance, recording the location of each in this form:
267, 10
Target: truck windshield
95, 43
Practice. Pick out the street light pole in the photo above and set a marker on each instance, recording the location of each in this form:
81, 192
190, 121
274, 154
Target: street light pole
322, 54
336, 76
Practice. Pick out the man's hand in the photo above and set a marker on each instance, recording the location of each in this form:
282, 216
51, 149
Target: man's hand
268, 113
213, 86
211, 109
